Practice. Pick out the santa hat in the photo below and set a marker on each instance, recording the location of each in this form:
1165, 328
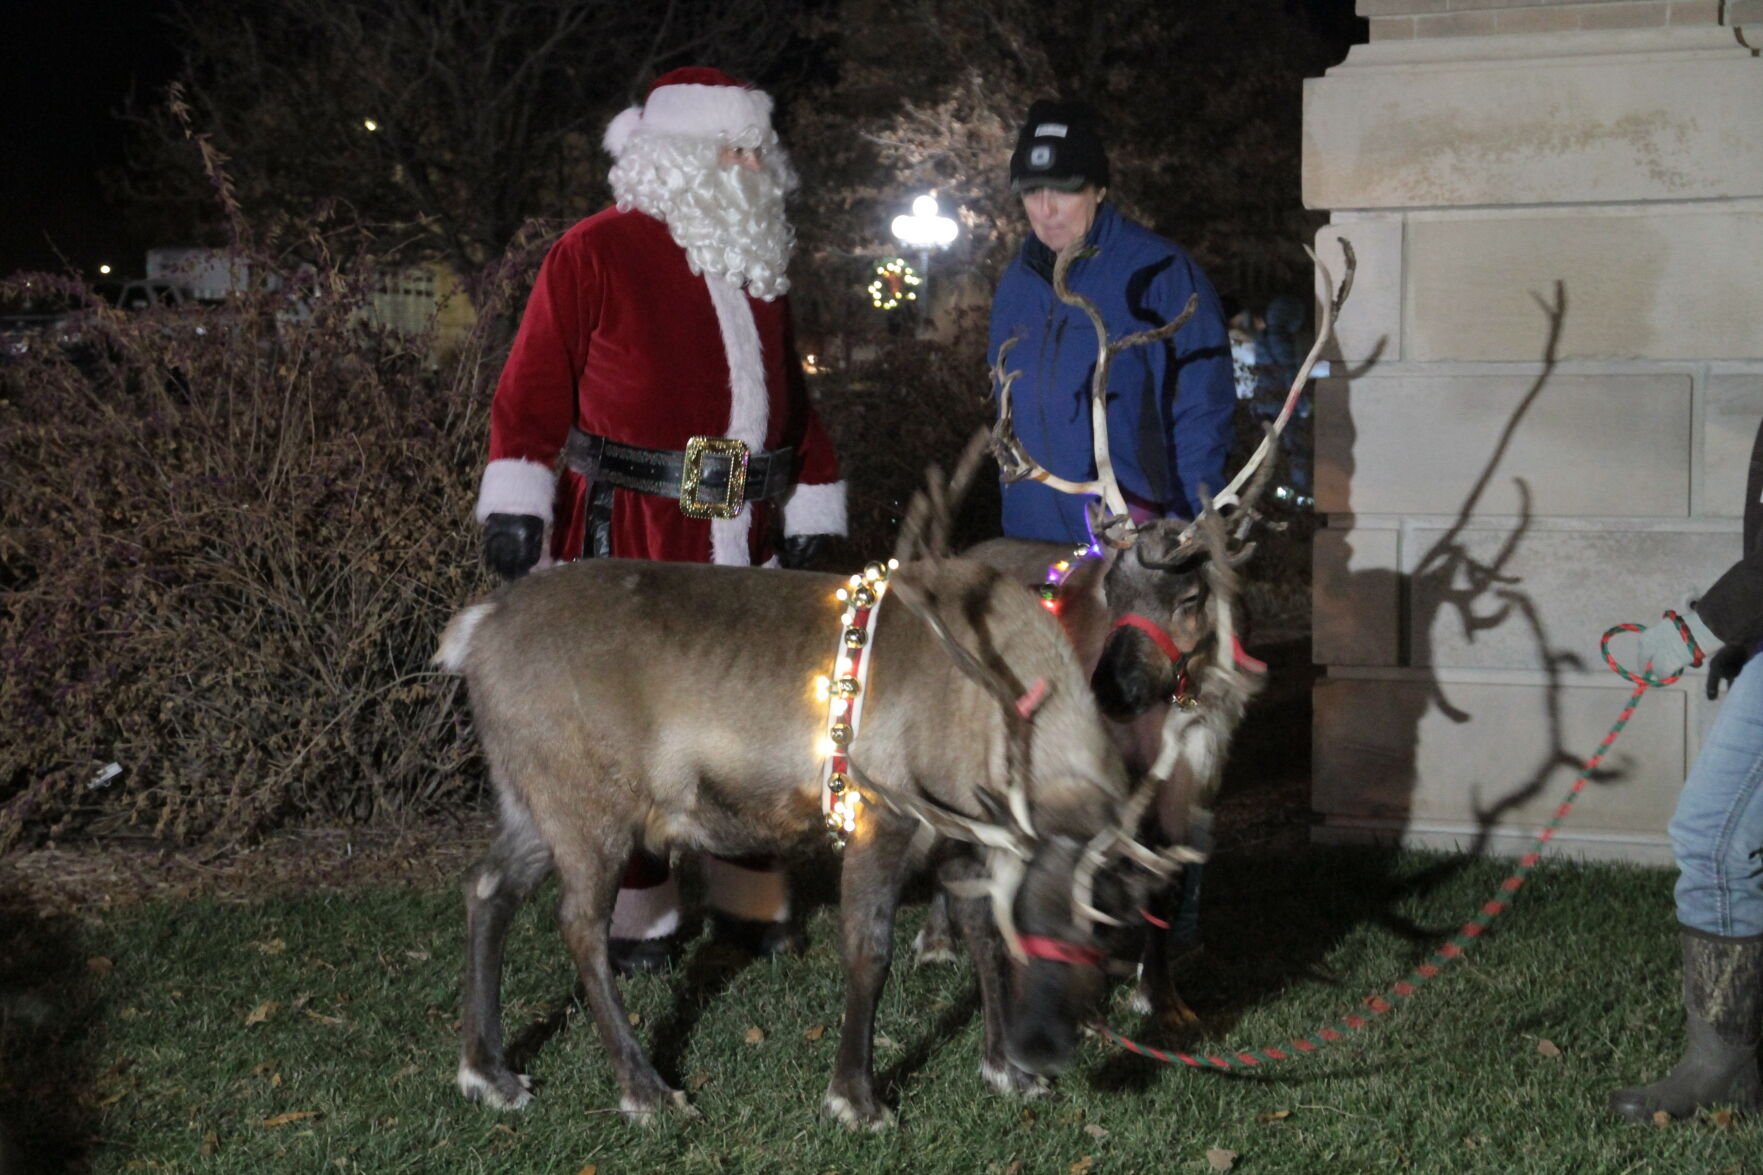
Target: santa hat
699, 102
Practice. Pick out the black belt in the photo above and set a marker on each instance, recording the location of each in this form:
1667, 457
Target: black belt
711, 478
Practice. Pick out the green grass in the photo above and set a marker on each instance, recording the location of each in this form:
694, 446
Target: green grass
152, 1064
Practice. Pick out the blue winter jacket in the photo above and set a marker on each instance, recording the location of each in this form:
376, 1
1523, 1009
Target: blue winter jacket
1169, 404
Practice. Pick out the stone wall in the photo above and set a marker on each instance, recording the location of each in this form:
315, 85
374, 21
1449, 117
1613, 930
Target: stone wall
1549, 376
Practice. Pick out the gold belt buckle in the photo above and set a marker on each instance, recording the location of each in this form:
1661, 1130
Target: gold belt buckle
733, 493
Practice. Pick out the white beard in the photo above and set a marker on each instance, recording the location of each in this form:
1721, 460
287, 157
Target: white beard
729, 220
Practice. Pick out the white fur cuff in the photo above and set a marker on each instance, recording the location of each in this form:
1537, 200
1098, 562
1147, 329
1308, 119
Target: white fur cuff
815, 509
515, 486
647, 913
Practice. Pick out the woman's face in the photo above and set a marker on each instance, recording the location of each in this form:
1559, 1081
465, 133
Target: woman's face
1059, 218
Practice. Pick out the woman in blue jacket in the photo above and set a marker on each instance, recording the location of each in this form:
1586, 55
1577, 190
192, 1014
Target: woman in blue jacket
1169, 404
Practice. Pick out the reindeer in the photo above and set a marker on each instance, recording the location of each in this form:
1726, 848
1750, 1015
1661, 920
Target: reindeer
981, 753
1163, 655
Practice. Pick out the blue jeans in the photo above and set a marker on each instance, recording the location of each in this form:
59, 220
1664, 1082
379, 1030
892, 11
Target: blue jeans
1717, 830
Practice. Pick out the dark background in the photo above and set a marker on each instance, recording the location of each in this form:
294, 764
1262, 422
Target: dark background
70, 67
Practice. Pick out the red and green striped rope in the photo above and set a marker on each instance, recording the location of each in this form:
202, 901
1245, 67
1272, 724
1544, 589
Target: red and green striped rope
1381, 1003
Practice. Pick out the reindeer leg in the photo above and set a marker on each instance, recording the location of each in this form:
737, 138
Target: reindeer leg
973, 916
1156, 994
494, 891
875, 870
589, 874
936, 941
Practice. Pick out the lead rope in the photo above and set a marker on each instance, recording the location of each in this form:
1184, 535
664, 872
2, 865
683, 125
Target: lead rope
1380, 1003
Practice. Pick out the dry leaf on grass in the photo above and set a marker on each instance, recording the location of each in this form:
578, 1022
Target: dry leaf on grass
1661, 1118
99, 965
322, 1018
1096, 1132
1548, 1048
1082, 1165
1273, 1116
291, 1116
634, 1018
590, 1169
697, 1081
261, 1012
1219, 1159
755, 1035
272, 946
1722, 1119
410, 1070
210, 1144
814, 1033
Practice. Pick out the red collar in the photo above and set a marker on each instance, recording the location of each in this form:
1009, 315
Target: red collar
1054, 950
1159, 636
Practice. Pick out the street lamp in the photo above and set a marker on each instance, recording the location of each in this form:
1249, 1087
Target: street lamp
924, 229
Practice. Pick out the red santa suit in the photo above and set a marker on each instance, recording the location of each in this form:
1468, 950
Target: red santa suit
622, 340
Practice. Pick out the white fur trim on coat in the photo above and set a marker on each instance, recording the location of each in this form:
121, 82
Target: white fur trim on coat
815, 509
707, 112
749, 412
512, 485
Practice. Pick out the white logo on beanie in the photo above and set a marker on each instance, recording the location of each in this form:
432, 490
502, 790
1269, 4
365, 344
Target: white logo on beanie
1051, 130
1040, 155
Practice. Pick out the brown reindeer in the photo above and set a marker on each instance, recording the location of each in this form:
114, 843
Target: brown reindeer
651, 724
1163, 654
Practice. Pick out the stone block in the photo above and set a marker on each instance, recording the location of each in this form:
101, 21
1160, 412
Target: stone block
1399, 7
1419, 444
1392, 127
1392, 28
1640, 284
1729, 429
1639, 15
1690, 12
1455, 24
1458, 5
1356, 596
1558, 591
1370, 323
1384, 751
1532, 21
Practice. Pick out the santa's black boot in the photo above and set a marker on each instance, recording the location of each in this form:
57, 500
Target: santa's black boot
1722, 996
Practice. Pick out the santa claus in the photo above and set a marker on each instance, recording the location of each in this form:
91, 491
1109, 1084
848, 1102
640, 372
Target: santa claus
655, 359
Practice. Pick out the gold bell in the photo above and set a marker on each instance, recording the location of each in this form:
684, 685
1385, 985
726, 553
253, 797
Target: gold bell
855, 638
837, 783
840, 734
875, 571
844, 687
864, 597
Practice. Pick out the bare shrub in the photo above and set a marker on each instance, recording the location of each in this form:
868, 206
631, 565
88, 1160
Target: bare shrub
228, 538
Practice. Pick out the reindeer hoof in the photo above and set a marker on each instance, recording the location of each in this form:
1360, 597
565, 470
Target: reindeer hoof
500, 1089
872, 1115
933, 948
1008, 1079
646, 1110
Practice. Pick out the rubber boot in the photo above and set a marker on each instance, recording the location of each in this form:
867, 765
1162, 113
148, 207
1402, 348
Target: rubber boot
1722, 995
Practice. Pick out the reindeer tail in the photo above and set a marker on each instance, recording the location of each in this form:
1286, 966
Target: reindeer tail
456, 639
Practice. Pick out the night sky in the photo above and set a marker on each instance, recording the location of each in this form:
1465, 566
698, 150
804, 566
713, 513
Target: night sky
67, 67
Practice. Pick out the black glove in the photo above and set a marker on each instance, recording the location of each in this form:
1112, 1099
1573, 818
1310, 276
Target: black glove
1724, 666
800, 550
511, 543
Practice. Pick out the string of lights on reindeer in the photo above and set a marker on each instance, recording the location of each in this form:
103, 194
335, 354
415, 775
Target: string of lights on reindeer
860, 600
